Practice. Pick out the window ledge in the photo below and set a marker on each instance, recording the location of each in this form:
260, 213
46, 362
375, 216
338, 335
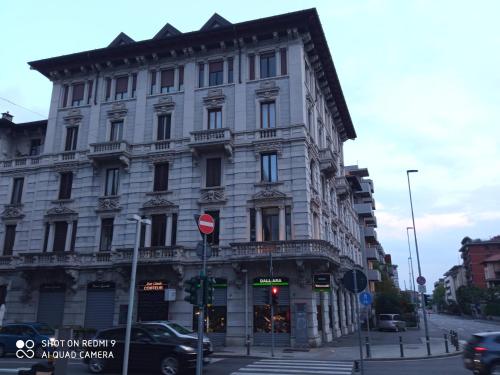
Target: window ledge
117, 101
70, 107
214, 86
58, 201
159, 192
164, 94
264, 183
205, 188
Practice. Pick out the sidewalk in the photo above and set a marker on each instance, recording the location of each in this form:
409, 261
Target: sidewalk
346, 353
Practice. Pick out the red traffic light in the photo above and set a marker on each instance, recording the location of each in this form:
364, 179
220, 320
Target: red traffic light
275, 290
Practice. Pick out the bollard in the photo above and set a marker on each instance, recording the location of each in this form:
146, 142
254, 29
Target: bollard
457, 343
356, 366
401, 351
248, 344
446, 343
368, 353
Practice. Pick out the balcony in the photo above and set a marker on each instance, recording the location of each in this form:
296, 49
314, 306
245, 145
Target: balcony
370, 233
285, 249
371, 253
212, 140
374, 275
106, 152
364, 209
46, 259
148, 255
328, 162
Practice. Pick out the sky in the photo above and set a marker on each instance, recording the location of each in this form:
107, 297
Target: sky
421, 80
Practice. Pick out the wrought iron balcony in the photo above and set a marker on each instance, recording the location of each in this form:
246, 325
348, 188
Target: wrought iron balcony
285, 249
212, 140
106, 152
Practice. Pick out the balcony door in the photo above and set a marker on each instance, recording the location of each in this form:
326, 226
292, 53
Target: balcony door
61, 228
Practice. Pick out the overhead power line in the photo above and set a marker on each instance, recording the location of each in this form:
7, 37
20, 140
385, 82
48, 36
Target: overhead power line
20, 106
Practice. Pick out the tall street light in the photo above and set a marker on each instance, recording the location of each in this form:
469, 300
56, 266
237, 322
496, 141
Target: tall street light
412, 281
422, 297
131, 295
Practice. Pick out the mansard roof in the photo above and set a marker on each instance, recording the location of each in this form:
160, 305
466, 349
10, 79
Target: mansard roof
219, 33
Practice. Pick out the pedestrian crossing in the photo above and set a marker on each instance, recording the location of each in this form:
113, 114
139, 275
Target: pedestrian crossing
295, 367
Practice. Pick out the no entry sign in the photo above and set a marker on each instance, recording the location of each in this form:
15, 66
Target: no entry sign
206, 224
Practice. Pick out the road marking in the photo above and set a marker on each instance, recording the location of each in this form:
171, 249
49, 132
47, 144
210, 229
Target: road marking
295, 367
12, 370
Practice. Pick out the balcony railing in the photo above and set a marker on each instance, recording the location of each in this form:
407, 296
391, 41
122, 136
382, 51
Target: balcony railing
371, 253
155, 254
293, 248
212, 139
110, 151
328, 161
370, 232
363, 209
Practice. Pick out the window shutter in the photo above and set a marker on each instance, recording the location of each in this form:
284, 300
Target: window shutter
167, 78
121, 84
78, 89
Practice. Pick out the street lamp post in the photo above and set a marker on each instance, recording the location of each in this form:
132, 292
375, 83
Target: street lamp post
133, 273
410, 259
422, 297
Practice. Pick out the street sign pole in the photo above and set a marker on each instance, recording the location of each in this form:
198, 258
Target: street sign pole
359, 325
271, 302
201, 307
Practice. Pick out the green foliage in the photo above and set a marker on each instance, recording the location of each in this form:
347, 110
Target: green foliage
438, 297
492, 308
389, 300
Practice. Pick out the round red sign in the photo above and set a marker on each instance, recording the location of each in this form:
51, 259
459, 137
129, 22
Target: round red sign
206, 224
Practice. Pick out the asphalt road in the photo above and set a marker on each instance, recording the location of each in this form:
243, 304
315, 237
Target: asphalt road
438, 366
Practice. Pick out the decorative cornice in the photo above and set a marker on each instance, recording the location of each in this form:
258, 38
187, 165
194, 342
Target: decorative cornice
212, 196
12, 211
165, 104
60, 211
157, 202
261, 147
118, 111
269, 194
107, 204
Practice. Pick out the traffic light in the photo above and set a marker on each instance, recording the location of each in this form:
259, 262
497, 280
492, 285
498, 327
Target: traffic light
191, 287
274, 295
208, 292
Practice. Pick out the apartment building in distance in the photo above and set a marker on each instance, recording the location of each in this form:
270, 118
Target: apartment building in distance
243, 121
474, 254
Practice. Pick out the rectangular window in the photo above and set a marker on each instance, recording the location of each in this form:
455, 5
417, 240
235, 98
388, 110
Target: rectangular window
65, 96
46, 237
213, 238
65, 185
174, 229
112, 181
167, 80
60, 231
71, 138
9, 239
164, 124
35, 147
161, 177
215, 73
17, 190
73, 235
213, 177
215, 118
181, 77
134, 85
251, 67
284, 67
201, 74
268, 115
268, 65
106, 234
288, 223
116, 131
269, 167
89, 92
108, 89
270, 224
152, 75
77, 97
230, 72
253, 236
121, 88
158, 230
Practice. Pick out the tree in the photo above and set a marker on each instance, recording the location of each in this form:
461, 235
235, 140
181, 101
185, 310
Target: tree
438, 297
468, 296
387, 298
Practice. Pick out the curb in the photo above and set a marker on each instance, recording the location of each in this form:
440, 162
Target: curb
454, 354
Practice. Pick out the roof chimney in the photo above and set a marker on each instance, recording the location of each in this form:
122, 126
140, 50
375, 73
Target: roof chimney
7, 116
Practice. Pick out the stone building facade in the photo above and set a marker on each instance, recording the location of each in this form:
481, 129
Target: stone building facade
243, 121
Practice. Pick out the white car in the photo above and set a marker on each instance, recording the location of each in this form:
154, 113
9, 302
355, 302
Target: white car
391, 322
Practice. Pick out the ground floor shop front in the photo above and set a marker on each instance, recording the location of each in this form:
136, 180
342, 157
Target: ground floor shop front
94, 299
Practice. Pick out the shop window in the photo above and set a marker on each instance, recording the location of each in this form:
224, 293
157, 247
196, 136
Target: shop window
262, 321
215, 319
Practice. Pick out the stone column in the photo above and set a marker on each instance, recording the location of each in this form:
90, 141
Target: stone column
113, 89
258, 224
168, 235
348, 305
69, 232
147, 237
335, 312
343, 323
282, 224
325, 307
50, 241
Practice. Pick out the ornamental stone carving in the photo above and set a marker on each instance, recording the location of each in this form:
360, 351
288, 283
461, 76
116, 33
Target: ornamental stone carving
214, 98
267, 90
12, 212
73, 117
108, 204
117, 112
60, 211
157, 202
267, 147
165, 104
269, 194
212, 196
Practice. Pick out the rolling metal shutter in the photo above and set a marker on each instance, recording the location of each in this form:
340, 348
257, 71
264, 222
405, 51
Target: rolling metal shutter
51, 305
100, 308
261, 297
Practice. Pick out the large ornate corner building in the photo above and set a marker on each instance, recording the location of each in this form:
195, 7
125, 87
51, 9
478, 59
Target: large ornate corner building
243, 121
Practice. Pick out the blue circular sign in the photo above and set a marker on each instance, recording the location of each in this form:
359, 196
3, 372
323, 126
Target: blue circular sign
365, 298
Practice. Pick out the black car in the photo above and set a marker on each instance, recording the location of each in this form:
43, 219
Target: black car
150, 352
482, 353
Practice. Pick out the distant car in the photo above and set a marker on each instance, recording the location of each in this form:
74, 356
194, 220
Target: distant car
11, 333
184, 335
151, 351
391, 322
482, 353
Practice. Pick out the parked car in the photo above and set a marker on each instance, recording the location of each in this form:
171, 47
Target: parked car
11, 333
184, 335
391, 322
151, 350
482, 353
